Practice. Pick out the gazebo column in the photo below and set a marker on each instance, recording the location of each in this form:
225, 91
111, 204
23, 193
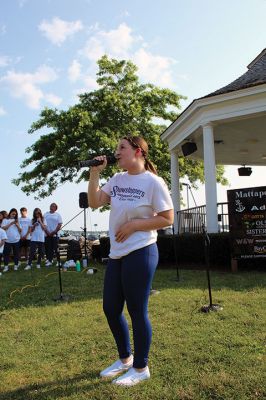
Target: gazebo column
175, 186
210, 179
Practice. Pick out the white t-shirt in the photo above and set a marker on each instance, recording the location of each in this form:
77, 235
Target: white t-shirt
38, 235
133, 197
13, 235
24, 222
2, 237
52, 220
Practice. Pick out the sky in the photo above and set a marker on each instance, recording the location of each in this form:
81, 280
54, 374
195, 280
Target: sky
48, 55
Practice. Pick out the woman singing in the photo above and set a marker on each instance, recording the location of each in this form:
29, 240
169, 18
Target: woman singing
140, 205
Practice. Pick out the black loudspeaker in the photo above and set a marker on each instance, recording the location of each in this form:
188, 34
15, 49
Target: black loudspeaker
244, 171
188, 148
83, 200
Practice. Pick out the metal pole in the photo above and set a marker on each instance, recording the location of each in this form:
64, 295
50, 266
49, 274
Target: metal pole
85, 233
61, 297
210, 306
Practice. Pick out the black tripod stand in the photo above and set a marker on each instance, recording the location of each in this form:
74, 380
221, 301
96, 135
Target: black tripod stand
177, 279
210, 306
83, 203
86, 259
62, 297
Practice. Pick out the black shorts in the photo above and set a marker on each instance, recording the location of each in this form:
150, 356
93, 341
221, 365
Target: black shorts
24, 243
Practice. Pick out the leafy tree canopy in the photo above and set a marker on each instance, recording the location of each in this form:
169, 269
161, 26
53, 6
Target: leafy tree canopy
120, 106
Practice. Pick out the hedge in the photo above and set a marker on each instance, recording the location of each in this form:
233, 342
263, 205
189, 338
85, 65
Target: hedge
189, 249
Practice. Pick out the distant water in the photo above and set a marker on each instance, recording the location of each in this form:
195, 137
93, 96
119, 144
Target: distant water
66, 232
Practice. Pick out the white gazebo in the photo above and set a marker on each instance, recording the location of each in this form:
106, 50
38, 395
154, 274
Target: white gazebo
226, 127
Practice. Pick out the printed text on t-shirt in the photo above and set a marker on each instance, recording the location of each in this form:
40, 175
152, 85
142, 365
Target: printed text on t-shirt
127, 193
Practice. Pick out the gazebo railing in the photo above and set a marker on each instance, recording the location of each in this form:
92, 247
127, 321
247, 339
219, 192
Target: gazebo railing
190, 220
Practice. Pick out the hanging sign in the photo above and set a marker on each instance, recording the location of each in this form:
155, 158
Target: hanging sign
247, 222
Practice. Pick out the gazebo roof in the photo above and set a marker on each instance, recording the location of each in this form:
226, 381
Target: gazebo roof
237, 114
256, 75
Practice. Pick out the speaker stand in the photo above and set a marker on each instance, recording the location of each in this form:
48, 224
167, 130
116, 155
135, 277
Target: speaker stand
61, 297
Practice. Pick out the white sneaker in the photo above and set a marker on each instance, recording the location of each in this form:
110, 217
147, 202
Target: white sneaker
48, 263
15, 267
116, 368
27, 268
5, 268
38, 266
132, 377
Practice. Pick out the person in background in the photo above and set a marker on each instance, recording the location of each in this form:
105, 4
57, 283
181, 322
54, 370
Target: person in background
37, 231
25, 223
3, 215
3, 238
13, 230
140, 205
54, 223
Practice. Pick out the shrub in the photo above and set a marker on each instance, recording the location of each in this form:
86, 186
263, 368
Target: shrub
186, 249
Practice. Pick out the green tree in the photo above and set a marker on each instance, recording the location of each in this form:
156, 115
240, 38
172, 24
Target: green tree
121, 106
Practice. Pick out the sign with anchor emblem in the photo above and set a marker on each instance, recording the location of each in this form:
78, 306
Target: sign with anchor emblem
247, 222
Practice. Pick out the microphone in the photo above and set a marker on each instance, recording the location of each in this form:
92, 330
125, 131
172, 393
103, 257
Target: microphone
93, 163
185, 184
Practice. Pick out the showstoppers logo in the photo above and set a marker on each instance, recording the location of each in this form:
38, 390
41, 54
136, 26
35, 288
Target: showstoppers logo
127, 193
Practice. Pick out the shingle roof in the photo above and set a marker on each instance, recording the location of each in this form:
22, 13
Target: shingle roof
256, 75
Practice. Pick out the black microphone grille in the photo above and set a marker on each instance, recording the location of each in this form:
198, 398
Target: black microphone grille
111, 159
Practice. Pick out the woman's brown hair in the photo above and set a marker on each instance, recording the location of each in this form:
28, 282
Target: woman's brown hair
137, 142
11, 211
36, 214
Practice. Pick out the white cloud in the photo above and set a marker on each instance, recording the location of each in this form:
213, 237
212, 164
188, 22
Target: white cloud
26, 85
74, 71
156, 69
59, 30
122, 43
94, 49
119, 40
90, 83
4, 61
2, 29
22, 3
2, 111
124, 14
53, 99
44, 74
116, 42
94, 28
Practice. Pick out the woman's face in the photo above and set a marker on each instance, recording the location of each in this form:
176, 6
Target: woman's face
125, 154
13, 214
53, 208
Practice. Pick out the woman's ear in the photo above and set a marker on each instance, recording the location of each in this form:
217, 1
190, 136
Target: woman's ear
138, 152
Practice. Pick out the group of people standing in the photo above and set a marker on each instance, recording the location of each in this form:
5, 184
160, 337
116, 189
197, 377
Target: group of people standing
38, 234
140, 205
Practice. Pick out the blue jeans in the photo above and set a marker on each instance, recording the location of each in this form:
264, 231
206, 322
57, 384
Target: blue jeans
129, 280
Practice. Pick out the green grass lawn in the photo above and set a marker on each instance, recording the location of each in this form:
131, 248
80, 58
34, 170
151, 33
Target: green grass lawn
54, 350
